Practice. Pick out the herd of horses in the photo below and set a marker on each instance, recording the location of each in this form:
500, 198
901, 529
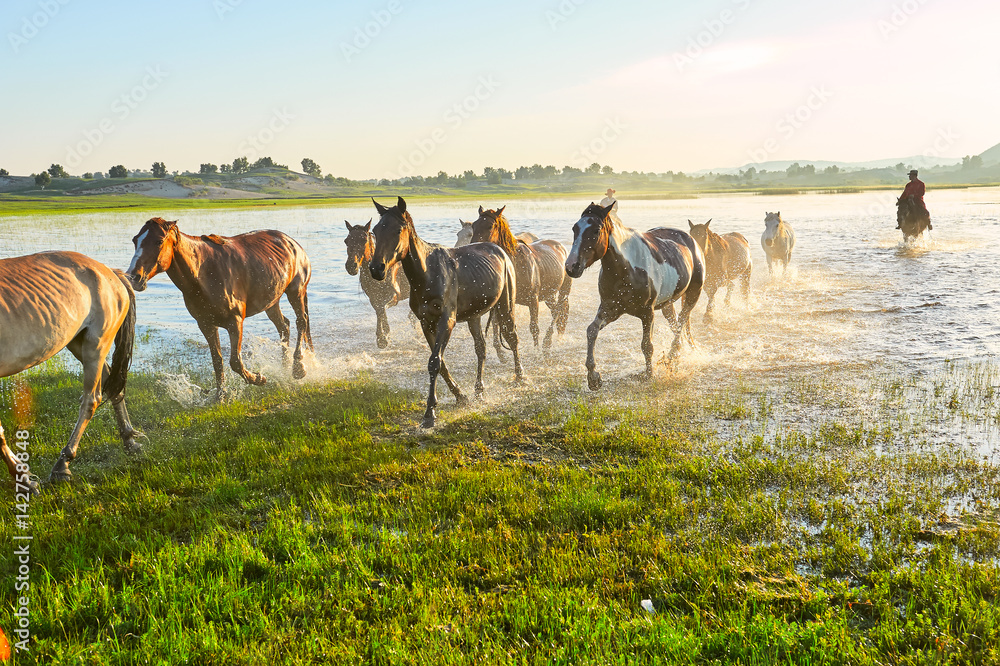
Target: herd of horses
55, 300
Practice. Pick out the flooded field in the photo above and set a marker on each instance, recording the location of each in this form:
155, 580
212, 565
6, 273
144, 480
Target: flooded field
861, 326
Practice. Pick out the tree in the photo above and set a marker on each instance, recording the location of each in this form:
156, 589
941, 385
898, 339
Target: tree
241, 165
118, 171
571, 171
226, 168
750, 173
607, 170
972, 162
88, 176
504, 174
159, 170
832, 170
4, 172
266, 163
900, 166
594, 168
470, 175
42, 179
522, 173
311, 168
56, 171
208, 168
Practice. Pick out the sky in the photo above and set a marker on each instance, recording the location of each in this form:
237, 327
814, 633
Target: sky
389, 88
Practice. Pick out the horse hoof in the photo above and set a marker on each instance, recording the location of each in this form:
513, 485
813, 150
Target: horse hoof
298, 370
382, 343
61, 476
520, 381
257, 379
429, 420
461, 401
502, 358
594, 381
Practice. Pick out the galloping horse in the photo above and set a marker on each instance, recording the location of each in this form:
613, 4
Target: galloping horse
381, 294
447, 285
778, 240
465, 235
225, 280
912, 218
727, 259
53, 300
641, 272
539, 269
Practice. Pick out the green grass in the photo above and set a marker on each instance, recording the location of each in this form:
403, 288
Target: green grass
319, 525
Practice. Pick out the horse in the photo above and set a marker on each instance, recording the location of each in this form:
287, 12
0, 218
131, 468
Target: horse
55, 300
912, 218
385, 294
727, 259
538, 267
465, 235
224, 280
448, 285
778, 240
641, 272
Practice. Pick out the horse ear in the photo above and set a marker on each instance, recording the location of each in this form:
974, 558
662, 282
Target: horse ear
607, 211
500, 212
368, 227
480, 210
464, 223
401, 205
379, 207
691, 224
709, 222
778, 213
348, 225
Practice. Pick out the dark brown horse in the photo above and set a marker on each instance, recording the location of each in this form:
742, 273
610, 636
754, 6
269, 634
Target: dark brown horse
539, 267
727, 259
641, 272
912, 217
225, 280
447, 285
381, 294
55, 300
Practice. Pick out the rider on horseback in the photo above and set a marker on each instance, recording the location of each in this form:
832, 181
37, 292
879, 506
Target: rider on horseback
916, 189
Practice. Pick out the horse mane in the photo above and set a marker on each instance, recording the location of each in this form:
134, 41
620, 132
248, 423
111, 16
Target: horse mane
214, 238
505, 237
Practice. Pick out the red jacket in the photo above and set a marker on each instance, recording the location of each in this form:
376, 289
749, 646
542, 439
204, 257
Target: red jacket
914, 188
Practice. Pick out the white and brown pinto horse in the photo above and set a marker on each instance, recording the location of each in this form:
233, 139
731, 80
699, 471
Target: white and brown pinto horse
381, 294
55, 300
727, 259
778, 241
447, 286
641, 272
225, 280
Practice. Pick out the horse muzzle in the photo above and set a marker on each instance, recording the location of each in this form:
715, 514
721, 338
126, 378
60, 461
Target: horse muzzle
377, 271
351, 267
138, 281
575, 269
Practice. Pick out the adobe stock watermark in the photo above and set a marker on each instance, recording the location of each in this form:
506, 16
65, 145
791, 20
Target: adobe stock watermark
562, 12
713, 30
35, 23
588, 153
123, 107
254, 144
22, 541
453, 119
363, 35
791, 123
223, 7
899, 17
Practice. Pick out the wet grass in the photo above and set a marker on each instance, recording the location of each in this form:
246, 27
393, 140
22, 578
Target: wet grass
319, 525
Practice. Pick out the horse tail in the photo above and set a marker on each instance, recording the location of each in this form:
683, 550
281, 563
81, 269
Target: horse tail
121, 359
507, 298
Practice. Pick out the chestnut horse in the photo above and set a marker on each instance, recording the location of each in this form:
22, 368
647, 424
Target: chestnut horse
53, 300
448, 285
912, 218
224, 281
641, 272
465, 235
538, 267
395, 288
727, 259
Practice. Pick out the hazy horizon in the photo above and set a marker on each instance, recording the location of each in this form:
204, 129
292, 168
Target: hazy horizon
383, 89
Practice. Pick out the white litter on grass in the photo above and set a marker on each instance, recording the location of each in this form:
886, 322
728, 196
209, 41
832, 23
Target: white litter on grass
647, 605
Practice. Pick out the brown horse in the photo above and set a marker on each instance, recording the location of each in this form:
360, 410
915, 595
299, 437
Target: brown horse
53, 300
465, 235
912, 218
539, 267
448, 285
225, 280
395, 288
727, 259
641, 272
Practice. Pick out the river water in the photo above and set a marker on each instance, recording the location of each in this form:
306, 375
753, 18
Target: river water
855, 304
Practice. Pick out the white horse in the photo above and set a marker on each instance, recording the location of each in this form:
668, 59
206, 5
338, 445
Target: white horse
778, 241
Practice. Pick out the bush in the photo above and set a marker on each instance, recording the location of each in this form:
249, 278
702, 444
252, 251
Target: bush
118, 171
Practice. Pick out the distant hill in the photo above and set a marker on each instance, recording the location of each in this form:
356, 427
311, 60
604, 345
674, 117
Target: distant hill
991, 156
918, 161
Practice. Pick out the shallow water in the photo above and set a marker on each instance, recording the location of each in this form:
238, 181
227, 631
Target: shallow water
855, 304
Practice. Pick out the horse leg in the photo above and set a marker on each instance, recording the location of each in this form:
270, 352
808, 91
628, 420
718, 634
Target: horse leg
495, 329
509, 332
300, 305
281, 323
553, 307
603, 318
381, 327
125, 429
533, 319
684, 321
711, 302
745, 287
22, 477
93, 365
670, 315
438, 336
647, 344
564, 304
235, 330
479, 340
211, 334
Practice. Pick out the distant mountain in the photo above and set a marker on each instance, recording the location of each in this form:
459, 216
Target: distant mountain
918, 161
991, 156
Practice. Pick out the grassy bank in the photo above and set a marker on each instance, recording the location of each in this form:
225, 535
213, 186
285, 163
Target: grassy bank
319, 525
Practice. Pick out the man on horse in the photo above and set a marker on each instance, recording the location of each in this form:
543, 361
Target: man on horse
916, 189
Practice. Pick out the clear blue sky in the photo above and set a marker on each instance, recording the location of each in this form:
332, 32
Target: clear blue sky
538, 81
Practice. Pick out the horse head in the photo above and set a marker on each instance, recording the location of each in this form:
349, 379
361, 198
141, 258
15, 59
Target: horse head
154, 251
392, 237
771, 223
464, 234
591, 236
700, 233
491, 227
360, 246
